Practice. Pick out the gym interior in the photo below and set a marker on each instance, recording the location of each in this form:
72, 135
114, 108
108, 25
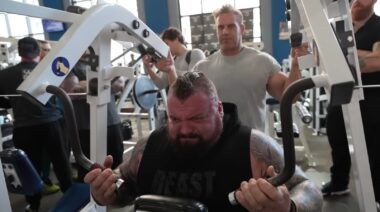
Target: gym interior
112, 37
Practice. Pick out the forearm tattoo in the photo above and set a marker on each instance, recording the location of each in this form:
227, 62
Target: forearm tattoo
129, 170
130, 166
266, 152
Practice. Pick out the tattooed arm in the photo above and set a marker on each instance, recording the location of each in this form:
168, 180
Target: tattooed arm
102, 182
128, 172
298, 194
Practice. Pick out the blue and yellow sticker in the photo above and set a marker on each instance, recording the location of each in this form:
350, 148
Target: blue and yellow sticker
60, 66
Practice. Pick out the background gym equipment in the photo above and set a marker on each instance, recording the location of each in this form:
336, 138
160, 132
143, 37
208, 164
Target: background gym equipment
329, 29
145, 92
20, 175
303, 113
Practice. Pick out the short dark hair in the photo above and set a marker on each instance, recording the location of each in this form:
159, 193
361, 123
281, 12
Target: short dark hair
191, 82
173, 33
28, 47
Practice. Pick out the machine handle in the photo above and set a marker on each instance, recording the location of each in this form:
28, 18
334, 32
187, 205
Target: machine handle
287, 129
287, 133
71, 124
296, 39
159, 203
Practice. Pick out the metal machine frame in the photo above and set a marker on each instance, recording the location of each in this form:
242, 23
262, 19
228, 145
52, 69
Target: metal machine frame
316, 17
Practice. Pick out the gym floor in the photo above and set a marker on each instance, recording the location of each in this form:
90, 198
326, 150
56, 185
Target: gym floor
319, 173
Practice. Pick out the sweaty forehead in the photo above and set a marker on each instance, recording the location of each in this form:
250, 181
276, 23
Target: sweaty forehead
195, 104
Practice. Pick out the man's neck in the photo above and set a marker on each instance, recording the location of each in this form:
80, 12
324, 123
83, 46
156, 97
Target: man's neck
182, 50
232, 52
24, 59
359, 24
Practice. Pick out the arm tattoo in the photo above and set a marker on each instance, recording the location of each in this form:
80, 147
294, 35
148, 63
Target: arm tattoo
130, 166
304, 193
129, 171
266, 151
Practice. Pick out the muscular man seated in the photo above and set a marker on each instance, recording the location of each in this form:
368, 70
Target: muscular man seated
203, 154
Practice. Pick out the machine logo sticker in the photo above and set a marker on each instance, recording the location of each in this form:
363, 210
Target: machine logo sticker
60, 66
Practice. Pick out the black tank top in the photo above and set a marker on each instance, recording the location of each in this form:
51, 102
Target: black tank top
208, 180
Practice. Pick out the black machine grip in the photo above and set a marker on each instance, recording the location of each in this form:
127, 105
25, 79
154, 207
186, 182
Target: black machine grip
296, 39
75, 9
158, 203
287, 129
71, 124
287, 133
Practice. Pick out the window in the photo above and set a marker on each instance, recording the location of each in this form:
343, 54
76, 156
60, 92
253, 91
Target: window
84, 3
20, 26
36, 28
131, 5
117, 48
198, 26
3, 25
377, 8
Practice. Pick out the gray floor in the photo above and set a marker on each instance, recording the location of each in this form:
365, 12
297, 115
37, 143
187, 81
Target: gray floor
318, 171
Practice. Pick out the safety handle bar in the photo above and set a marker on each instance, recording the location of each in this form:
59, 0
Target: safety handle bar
296, 39
287, 137
158, 203
287, 129
71, 124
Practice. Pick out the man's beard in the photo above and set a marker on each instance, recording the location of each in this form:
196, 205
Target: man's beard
190, 151
360, 12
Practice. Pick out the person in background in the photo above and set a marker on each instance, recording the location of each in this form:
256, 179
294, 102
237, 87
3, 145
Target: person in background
45, 48
191, 158
35, 127
184, 58
133, 60
49, 187
243, 75
366, 24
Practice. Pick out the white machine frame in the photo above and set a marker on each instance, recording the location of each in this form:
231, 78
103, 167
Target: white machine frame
315, 16
95, 27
